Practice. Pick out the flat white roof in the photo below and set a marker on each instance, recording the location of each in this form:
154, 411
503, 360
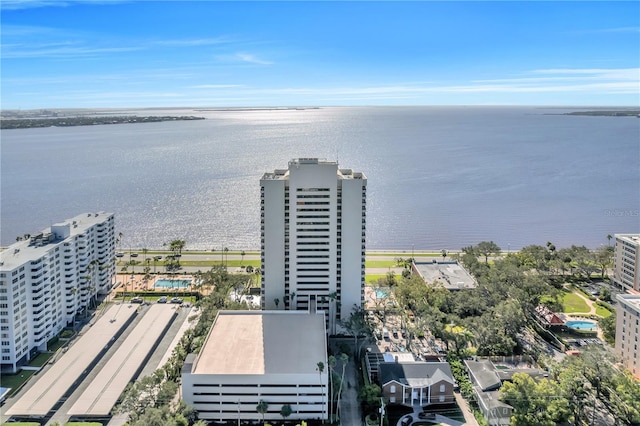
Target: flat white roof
631, 300
263, 342
450, 274
21, 252
103, 392
58, 379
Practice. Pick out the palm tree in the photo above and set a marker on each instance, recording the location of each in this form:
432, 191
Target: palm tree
331, 363
276, 301
226, 252
444, 254
262, 408
292, 299
242, 253
609, 237
344, 358
320, 368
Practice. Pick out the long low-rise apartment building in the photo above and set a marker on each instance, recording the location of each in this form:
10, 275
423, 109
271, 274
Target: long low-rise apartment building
49, 278
254, 356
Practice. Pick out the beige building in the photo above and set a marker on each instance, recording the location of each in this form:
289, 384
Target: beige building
253, 356
626, 261
628, 332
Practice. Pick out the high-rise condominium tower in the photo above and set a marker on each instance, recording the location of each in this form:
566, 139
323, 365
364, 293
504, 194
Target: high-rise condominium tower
313, 221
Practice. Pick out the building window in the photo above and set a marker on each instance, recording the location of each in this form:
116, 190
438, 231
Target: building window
392, 389
441, 388
441, 398
392, 400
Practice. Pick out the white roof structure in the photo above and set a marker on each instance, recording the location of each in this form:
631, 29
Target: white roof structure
263, 342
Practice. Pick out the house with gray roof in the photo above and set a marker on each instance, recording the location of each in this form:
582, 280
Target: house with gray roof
417, 383
487, 380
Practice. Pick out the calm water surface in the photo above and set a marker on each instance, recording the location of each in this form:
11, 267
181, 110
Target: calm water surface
438, 177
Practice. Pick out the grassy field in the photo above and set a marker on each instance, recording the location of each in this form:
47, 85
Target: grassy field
572, 303
373, 278
14, 381
602, 312
380, 264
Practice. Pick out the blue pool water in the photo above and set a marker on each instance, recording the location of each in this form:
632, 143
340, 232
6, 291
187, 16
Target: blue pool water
382, 294
581, 325
162, 283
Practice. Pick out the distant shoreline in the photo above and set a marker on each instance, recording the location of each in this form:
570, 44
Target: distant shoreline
606, 113
30, 123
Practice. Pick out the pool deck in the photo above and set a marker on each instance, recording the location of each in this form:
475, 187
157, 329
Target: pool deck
130, 283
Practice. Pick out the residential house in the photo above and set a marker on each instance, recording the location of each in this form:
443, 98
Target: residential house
417, 383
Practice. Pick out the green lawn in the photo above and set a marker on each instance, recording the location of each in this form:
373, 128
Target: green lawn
602, 312
14, 381
40, 360
373, 278
20, 424
201, 263
380, 264
83, 424
572, 303
405, 254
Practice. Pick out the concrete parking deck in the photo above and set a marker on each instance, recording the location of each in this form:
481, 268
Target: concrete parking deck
57, 380
103, 392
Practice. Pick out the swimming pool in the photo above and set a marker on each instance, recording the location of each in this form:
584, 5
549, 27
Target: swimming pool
163, 283
581, 325
382, 294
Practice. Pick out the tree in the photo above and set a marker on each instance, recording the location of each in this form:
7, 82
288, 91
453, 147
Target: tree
262, 408
286, 411
226, 252
608, 327
320, 368
487, 248
609, 237
369, 397
625, 398
534, 403
444, 254
331, 364
604, 258
276, 301
344, 358
242, 253
176, 246
358, 327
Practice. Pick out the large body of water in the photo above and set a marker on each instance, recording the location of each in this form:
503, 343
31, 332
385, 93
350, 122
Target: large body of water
438, 177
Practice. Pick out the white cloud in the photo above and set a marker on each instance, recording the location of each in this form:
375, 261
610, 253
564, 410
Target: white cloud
32, 4
245, 57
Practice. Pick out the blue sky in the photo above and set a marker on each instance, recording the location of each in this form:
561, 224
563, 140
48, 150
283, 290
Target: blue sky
65, 54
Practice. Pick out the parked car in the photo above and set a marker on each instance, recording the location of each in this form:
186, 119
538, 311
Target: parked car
163, 299
427, 416
119, 254
176, 300
137, 300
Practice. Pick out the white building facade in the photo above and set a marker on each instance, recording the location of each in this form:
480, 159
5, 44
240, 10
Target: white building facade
48, 279
254, 356
626, 261
628, 332
313, 224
